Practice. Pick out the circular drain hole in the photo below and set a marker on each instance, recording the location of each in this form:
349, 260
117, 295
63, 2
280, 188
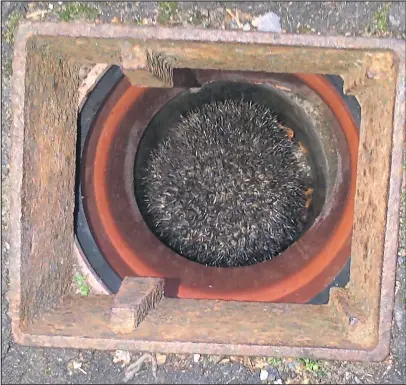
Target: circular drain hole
111, 228
227, 181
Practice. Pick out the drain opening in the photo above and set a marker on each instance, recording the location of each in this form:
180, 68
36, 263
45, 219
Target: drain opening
229, 175
118, 138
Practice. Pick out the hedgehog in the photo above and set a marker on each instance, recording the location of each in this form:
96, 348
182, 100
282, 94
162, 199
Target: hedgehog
226, 187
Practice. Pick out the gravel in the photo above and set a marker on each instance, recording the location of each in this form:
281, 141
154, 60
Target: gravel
37, 365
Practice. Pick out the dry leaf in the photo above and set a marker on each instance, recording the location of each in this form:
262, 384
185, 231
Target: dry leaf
135, 367
160, 358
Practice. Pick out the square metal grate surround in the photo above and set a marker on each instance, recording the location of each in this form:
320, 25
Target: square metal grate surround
354, 325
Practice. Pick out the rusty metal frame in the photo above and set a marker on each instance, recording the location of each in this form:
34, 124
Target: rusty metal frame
355, 325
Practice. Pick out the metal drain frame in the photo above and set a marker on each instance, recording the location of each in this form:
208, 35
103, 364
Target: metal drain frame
354, 325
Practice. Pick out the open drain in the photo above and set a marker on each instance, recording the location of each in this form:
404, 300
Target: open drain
287, 240
224, 181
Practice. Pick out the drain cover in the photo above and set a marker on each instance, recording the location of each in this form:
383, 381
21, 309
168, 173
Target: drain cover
361, 172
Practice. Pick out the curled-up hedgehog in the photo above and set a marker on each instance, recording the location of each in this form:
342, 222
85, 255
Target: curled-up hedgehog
227, 186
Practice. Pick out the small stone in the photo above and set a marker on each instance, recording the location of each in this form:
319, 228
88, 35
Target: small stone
279, 381
394, 21
196, 357
233, 24
293, 365
122, 357
246, 27
272, 374
160, 358
263, 375
347, 34
83, 71
75, 365
357, 380
269, 22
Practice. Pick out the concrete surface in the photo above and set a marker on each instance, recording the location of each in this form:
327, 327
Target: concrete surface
35, 365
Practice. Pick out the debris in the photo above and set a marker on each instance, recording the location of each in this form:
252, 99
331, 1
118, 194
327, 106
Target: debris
50, 6
273, 374
294, 365
122, 356
247, 362
357, 380
260, 362
233, 25
279, 381
235, 17
160, 358
282, 87
269, 22
115, 20
246, 27
135, 367
394, 21
217, 359
224, 360
36, 14
289, 132
75, 365
263, 376
196, 357
302, 148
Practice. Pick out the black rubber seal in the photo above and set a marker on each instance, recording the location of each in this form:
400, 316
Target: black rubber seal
343, 276
85, 238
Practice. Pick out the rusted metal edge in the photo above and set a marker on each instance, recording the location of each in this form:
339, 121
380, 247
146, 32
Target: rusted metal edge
387, 297
28, 30
78, 29
378, 354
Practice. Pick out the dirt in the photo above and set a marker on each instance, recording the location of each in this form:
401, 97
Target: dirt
37, 365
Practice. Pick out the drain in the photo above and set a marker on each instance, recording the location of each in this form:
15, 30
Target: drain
129, 127
224, 181
353, 325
